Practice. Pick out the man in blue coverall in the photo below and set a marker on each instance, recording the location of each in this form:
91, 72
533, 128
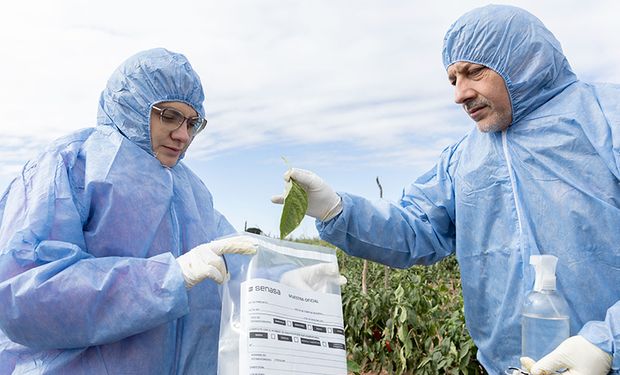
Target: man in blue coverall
539, 175
106, 238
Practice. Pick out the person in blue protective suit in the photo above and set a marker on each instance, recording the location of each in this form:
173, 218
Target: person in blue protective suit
539, 175
106, 238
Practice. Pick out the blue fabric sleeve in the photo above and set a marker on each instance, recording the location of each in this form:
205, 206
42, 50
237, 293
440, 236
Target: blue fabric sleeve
418, 230
223, 226
53, 293
606, 334
606, 140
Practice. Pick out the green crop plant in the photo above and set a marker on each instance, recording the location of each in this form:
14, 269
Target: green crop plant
413, 324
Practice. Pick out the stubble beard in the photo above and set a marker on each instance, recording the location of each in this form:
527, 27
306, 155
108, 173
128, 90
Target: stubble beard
497, 124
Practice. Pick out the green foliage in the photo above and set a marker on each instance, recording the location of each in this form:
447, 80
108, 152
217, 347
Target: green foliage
294, 209
414, 326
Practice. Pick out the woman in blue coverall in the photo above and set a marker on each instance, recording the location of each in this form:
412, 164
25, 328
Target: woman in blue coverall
539, 175
106, 236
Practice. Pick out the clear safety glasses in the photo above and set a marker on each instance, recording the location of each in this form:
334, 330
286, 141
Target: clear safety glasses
172, 119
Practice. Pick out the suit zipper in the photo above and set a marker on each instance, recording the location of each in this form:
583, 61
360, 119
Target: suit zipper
513, 183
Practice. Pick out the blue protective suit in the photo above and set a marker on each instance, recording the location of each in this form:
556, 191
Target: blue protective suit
89, 233
549, 184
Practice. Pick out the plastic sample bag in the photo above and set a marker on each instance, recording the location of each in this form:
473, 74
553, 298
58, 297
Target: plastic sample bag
282, 312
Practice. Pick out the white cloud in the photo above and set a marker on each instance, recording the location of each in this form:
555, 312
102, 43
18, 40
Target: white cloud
359, 80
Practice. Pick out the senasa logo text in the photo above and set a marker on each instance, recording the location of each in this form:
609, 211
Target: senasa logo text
263, 288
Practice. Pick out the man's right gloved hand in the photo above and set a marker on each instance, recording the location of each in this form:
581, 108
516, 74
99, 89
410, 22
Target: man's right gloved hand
206, 261
575, 354
318, 277
323, 203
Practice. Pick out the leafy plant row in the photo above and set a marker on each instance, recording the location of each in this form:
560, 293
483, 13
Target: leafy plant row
412, 325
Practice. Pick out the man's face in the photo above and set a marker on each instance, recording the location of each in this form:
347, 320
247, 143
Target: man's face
169, 145
483, 94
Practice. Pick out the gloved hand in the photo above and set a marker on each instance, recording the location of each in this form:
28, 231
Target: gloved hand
206, 261
576, 354
317, 277
323, 202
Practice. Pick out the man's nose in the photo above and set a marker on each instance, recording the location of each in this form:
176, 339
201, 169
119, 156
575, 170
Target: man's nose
463, 92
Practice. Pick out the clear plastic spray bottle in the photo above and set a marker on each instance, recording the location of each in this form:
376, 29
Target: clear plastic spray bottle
545, 317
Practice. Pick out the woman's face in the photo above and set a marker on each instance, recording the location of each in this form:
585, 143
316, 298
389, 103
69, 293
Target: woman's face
168, 145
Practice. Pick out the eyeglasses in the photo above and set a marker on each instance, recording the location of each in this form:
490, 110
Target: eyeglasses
173, 119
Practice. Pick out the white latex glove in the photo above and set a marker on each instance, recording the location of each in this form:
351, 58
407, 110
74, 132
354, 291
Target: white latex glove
323, 202
576, 354
206, 261
318, 277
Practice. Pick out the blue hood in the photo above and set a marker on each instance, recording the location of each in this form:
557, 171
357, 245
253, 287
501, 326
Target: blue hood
147, 78
518, 47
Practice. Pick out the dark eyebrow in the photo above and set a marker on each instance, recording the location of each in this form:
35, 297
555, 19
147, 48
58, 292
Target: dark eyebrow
457, 69
460, 68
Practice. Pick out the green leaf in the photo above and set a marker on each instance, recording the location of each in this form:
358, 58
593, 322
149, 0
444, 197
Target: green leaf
353, 366
399, 292
424, 362
403, 315
294, 209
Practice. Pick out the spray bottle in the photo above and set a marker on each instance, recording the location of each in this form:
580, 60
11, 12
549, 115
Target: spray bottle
545, 317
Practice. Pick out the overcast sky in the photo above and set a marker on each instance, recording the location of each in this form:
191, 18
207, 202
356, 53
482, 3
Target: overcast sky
351, 89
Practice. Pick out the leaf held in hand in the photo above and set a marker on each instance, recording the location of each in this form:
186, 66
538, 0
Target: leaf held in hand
294, 209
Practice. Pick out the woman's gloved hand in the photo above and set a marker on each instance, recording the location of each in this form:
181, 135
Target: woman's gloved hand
206, 261
317, 277
575, 354
323, 203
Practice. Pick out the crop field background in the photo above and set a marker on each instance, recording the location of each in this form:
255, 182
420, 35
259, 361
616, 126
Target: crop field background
404, 321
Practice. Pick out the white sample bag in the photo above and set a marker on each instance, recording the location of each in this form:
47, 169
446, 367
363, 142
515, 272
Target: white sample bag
282, 313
